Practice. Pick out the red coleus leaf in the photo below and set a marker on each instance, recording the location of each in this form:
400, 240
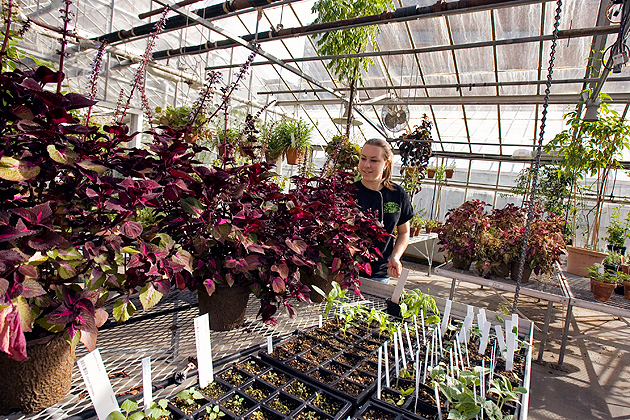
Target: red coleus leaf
298, 246
12, 340
281, 269
277, 284
131, 229
210, 286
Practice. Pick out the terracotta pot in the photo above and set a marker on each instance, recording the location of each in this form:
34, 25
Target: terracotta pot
578, 259
226, 307
504, 270
41, 380
527, 271
626, 289
294, 155
449, 173
461, 263
430, 172
625, 268
602, 291
313, 279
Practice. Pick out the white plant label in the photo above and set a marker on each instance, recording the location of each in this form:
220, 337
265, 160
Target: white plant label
204, 350
320, 321
97, 383
147, 386
400, 285
269, 344
470, 311
424, 337
415, 324
378, 374
482, 314
447, 314
402, 349
467, 328
408, 340
437, 398
440, 338
515, 322
500, 339
510, 342
386, 356
485, 334
396, 354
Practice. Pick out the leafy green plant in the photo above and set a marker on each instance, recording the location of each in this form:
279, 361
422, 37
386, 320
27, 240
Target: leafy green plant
413, 301
289, 133
617, 231
213, 413
336, 297
129, 411
504, 392
187, 400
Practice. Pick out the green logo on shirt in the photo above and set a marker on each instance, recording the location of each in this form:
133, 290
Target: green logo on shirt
391, 207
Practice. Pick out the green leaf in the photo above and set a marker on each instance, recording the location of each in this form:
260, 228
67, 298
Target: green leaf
123, 309
192, 206
129, 250
138, 415
115, 415
15, 170
61, 156
149, 296
91, 166
129, 405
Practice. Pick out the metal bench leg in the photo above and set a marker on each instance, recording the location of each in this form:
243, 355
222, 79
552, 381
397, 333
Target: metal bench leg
565, 334
543, 340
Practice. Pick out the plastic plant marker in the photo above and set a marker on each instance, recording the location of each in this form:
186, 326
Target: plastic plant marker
396, 354
424, 337
470, 311
426, 361
415, 324
386, 357
500, 339
515, 322
378, 373
320, 320
467, 359
400, 285
97, 383
451, 356
440, 338
482, 313
270, 344
485, 335
408, 340
508, 325
493, 360
402, 349
204, 350
417, 379
467, 327
509, 359
437, 399
147, 387
447, 314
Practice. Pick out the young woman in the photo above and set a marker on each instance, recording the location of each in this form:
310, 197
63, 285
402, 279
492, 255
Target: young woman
389, 202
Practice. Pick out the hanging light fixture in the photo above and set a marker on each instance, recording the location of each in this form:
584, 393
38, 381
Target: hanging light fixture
592, 110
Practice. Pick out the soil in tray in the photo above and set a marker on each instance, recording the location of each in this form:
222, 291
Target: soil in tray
258, 391
324, 376
214, 390
205, 415
348, 359
283, 404
361, 378
326, 350
328, 404
360, 331
377, 413
310, 414
317, 334
280, 353
338, 343
349, 388
357, 351
332, 327
275, 378
370, 345
338, 368
252, 366
262, 414
300, 390
369, 367
298, 344
185, 406
234, 376
315, 357
300, 364
237, 404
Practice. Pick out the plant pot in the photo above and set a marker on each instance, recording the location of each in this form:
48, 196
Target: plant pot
626, 289
619, 249
226, 307
619, 290
578, 259
309, 280
602, 291
625, 268
461, 263
449, 173
294, 155
41, 380
430, 172
527, 271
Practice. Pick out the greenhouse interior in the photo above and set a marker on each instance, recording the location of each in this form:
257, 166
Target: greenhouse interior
315, 209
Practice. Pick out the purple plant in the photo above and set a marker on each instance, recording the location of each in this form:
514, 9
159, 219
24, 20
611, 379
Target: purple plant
461, 232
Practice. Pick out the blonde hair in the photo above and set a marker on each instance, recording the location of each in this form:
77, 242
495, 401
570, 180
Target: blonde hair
389, 157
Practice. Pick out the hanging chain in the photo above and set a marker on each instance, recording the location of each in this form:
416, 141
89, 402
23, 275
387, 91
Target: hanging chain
543, 120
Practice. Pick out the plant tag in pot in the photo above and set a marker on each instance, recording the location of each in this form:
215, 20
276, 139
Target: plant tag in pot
147, 387
97, 383
509, 360
447, 314
204, 350
485, 334
500, 339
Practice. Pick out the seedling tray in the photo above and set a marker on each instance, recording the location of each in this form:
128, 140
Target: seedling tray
379, 412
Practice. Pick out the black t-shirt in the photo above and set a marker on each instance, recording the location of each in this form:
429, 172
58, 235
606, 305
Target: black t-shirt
393, 208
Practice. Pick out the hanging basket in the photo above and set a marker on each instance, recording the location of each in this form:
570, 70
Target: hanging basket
226, 307
430, 172
449, 173
578, 259
41, 380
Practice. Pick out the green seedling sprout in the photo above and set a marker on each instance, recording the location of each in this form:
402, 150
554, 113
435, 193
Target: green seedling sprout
336, 297
213, 413
130, 408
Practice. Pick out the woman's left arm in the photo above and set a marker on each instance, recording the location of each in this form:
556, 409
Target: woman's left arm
394, 266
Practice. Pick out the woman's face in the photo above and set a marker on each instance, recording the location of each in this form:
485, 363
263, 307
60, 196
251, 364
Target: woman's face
372, 163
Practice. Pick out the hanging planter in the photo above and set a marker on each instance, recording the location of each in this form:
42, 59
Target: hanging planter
448, 172
294, 155
430, 172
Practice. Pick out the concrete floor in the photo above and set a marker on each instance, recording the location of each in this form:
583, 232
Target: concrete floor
594, 382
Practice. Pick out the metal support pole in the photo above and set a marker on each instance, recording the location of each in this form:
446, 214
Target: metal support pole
543, 340
565, 334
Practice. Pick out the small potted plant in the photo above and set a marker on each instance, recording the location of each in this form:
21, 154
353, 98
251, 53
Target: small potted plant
290, 138
603, 283
415, 225
179, 119
431, 170
431, 225
343, 152
449, 171
617, 233
461, 232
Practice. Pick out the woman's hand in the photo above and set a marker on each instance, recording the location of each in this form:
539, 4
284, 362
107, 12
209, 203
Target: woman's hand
394, 267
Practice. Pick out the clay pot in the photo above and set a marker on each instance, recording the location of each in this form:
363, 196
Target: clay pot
527, 272
602, 291
578, 259
449, 173
294, 155
461, 263
626, 289
430, 172
226, 307
41, 380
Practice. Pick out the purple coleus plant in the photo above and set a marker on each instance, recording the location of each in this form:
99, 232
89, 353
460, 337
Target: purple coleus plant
67, 221
463, 228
